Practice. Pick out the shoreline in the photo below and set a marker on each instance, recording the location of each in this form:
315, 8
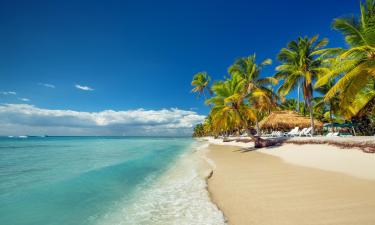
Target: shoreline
243, 181
179, 195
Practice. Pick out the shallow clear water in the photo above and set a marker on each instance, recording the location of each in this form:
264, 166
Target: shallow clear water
102, 180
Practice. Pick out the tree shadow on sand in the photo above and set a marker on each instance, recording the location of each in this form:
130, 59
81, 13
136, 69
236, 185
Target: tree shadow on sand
277, 142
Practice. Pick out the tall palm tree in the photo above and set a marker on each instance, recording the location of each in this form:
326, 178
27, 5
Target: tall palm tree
230, 110
355, 65
201, 83
300, 66
260, 97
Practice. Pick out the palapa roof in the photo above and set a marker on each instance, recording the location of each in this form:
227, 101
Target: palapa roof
287, 120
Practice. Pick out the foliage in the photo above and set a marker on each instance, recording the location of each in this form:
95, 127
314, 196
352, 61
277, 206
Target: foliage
201, 83
354, 67
289, 104
256, 90
300, 66
343, 77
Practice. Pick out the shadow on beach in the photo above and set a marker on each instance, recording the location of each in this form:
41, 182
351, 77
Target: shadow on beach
359, 143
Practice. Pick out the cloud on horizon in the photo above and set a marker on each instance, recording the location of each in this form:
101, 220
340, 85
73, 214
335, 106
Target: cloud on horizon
84, 88
21, 119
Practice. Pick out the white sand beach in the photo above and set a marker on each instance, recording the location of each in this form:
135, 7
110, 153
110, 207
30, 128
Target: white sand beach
292, 184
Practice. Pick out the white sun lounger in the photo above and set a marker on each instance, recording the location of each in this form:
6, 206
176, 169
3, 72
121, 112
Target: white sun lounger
307, 132
301, 132
278, 134
293, 132
330, 134
271, 134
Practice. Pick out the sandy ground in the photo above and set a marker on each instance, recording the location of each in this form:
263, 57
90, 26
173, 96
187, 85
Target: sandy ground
293, 184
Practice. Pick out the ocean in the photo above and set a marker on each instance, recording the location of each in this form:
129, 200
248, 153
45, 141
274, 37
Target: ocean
103, 180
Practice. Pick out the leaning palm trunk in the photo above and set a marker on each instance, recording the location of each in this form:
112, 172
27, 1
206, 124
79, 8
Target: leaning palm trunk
258, 141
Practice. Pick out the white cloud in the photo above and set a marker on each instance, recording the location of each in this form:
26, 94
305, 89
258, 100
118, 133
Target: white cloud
24, 99
47, 85
18, 119
84, 88
8, 93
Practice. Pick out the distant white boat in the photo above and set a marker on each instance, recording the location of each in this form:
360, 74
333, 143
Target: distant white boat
22, 136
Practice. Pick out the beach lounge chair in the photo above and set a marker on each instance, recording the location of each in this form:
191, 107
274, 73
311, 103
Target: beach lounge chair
301, 132
307, 132
292, 132
271, 134
331, 134
278, 134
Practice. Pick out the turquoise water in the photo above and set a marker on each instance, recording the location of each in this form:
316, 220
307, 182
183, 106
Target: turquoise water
90, 180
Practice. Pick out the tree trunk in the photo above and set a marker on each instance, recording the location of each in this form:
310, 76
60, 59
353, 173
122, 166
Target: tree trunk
257, 126
298, 90
311, 116
258, 141
330, 117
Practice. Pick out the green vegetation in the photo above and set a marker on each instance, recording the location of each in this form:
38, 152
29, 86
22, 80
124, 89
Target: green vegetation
300, 66
343, 79
201, 83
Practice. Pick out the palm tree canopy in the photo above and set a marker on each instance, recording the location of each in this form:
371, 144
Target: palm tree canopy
227, 102
354, 67
256, 89
299, 64
200, 82
247, 69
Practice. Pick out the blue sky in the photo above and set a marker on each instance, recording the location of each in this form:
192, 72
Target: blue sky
142, 54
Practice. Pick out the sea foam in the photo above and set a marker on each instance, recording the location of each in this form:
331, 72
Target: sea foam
178, 197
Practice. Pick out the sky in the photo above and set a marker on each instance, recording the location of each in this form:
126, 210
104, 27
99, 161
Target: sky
125, 67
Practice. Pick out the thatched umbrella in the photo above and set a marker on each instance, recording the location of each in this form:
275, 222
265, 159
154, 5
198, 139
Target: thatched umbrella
285, 120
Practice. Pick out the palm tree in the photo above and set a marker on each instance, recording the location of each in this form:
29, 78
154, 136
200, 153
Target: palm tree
354, 66
260, 97
201, 83
330, 107
229, 109
300, 66
199, 130
222, 116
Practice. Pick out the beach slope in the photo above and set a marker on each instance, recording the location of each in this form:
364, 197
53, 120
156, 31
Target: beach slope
251, 187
